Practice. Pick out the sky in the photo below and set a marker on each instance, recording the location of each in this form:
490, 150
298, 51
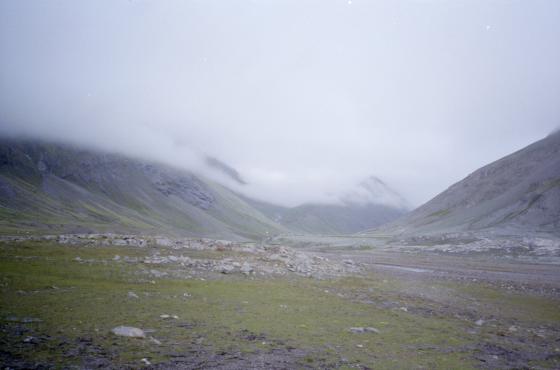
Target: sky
304, 98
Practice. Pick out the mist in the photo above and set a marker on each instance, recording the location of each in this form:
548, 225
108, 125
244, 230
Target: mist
304, 99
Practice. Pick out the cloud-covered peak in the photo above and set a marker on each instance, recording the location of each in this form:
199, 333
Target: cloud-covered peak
225, 169
374, 191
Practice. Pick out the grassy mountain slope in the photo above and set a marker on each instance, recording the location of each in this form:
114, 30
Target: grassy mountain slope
58, 188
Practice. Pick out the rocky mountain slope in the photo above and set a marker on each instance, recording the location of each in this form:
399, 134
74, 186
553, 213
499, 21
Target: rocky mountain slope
56, 188
59, 188
371, 203
517, 194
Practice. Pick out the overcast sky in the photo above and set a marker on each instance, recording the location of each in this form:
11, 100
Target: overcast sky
304, 98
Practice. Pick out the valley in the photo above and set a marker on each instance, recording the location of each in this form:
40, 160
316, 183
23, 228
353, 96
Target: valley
204, 303
114, 262
279, 185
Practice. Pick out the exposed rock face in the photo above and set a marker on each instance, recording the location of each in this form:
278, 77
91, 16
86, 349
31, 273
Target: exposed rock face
110, 172
517, 194
187, 187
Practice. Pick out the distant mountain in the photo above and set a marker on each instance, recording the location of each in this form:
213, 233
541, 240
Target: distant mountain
374, 191
371, 203
220, 166
55, 188
517, 194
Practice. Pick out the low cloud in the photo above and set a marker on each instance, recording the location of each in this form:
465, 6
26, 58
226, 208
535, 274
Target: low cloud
305, 99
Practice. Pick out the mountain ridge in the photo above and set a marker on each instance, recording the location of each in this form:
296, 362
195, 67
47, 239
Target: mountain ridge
50, 187
60, 187
514, 194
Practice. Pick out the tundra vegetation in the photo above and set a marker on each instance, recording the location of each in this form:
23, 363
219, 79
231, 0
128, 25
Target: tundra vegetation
201, 303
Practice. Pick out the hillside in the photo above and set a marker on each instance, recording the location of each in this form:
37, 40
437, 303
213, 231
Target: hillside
51, 188
517, 194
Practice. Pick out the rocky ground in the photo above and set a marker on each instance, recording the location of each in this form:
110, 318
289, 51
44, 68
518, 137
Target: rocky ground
217, 256
124, 301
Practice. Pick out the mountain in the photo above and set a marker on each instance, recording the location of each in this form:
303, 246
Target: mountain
53, 188
59, 188
517, 194
374, 191
371, 203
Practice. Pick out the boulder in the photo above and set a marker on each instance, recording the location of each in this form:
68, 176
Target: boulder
129, 331
246, 268
368, 329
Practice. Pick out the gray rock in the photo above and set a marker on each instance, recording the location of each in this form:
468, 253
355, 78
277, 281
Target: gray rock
246, 268
164, 242
158, 273
129, 331
166, 316
30, 340
132, 295
225, 268
359, 329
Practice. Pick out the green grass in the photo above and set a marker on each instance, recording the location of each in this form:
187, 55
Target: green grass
90, 298
532, 309
298, 312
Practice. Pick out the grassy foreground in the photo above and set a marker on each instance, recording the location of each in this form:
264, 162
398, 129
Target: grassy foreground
304, 322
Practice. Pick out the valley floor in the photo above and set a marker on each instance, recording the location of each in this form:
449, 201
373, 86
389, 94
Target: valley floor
216, 304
